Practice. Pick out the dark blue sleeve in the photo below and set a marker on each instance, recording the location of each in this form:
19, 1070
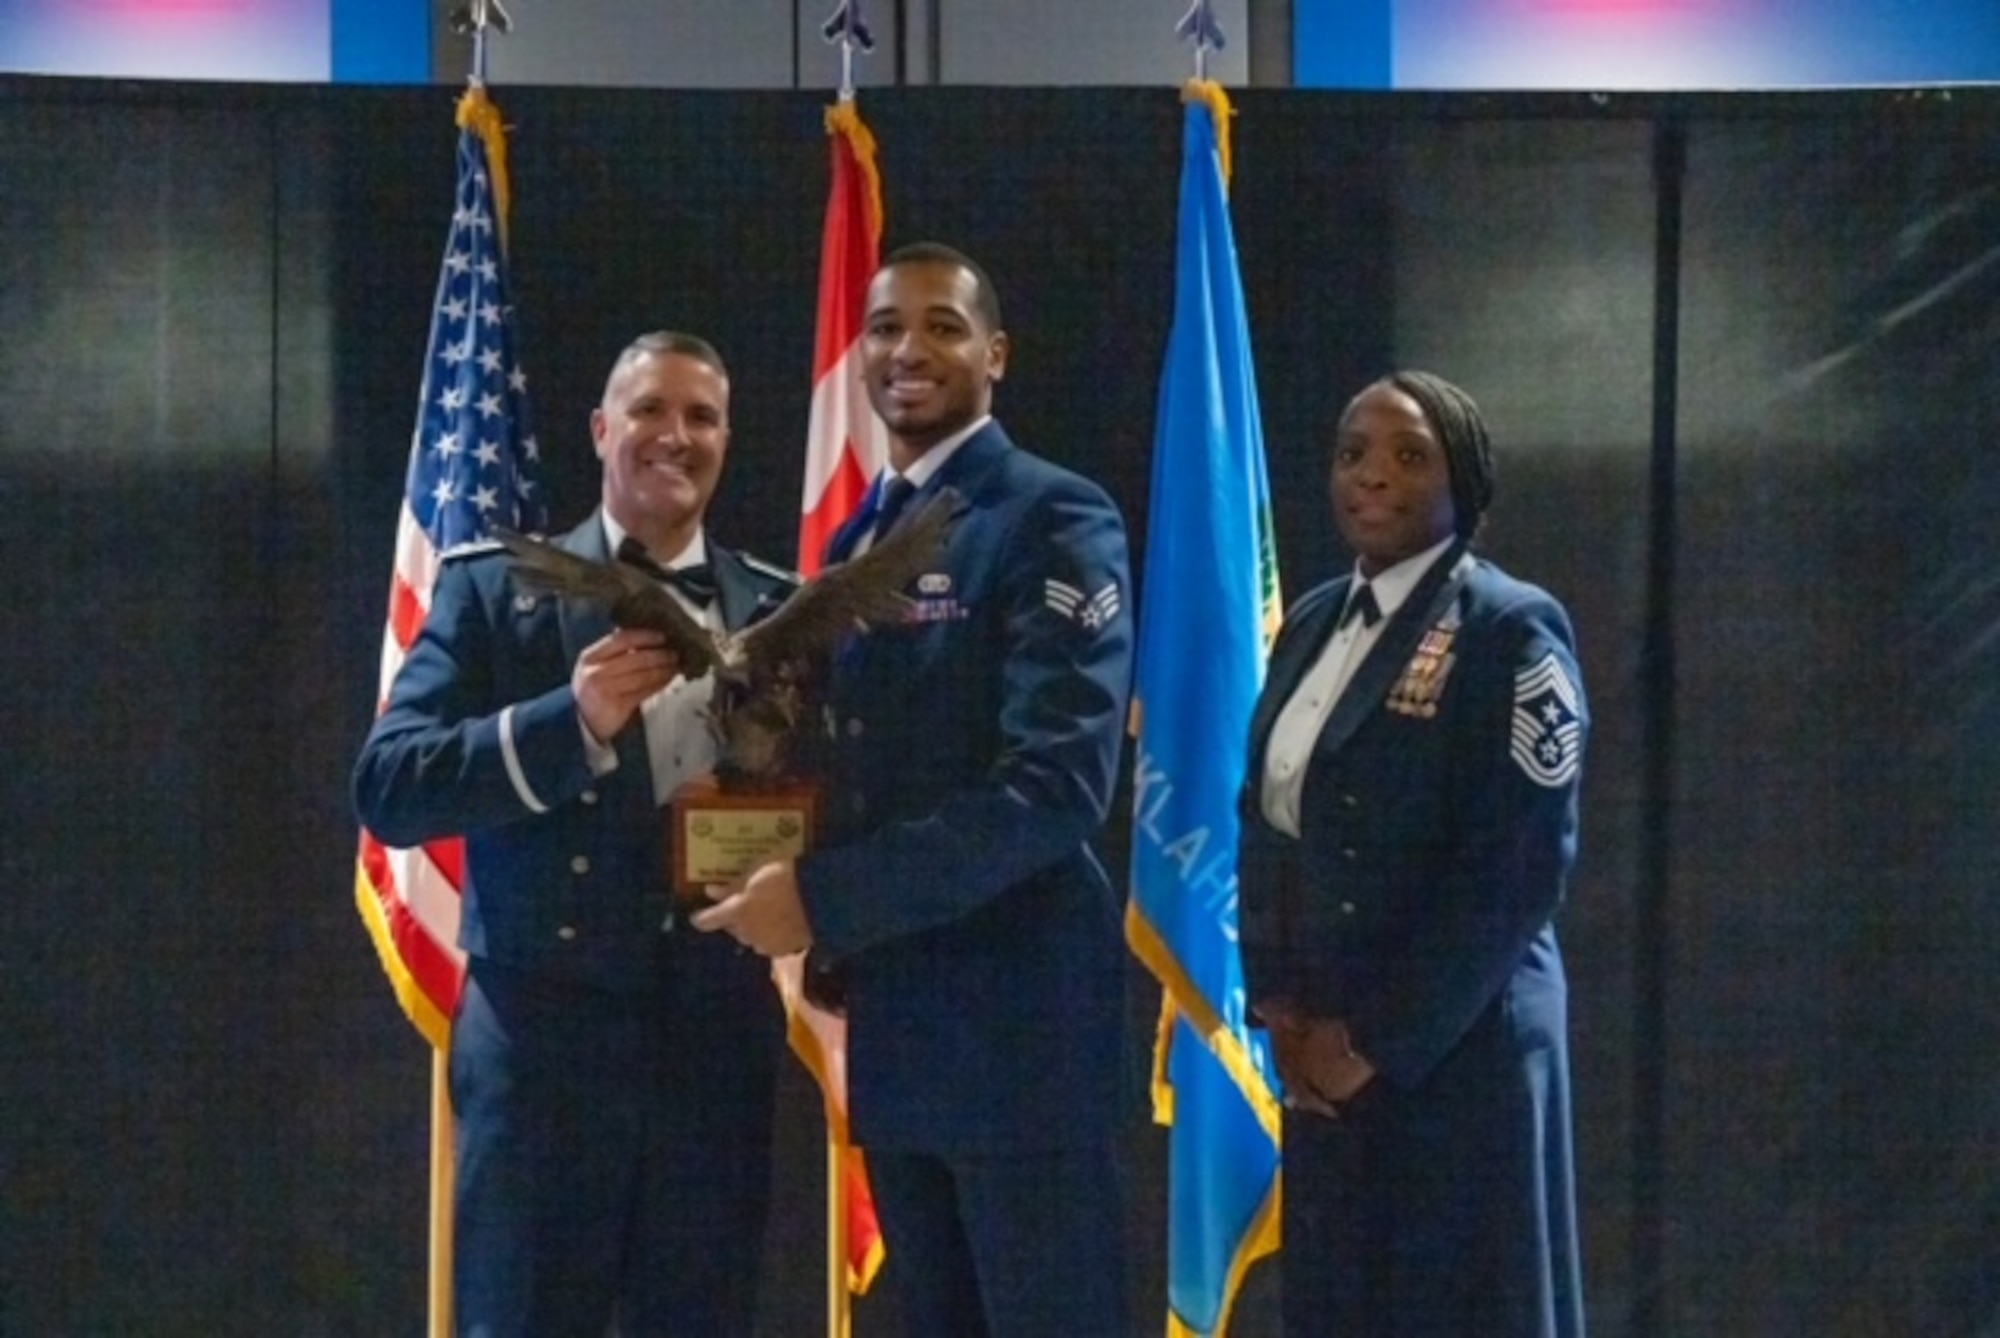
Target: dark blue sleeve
446, 757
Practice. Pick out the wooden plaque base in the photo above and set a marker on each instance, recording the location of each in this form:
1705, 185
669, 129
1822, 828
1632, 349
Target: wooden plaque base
718, 835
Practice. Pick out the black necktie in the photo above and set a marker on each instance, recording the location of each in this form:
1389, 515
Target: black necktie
1361, 604
896, 495
696, 582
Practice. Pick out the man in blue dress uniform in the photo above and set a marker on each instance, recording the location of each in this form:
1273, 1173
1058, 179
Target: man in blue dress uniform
612, 1072
958, 902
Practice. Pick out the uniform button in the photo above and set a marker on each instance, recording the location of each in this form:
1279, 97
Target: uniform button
588, 796
1347, 853
1347, 908
566, 933
580, 864
855, 728
1349, 801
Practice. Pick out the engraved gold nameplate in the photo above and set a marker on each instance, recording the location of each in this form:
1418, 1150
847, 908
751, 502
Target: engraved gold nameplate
719, 835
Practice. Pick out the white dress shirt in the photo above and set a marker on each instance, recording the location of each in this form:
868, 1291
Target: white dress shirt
679, 743
1297, 729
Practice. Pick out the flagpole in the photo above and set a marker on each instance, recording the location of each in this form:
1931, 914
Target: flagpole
839, 1309
847, 28
481, 16
1200, 26
444, 1130
443, 1183
839, 1305
478, 17
1194, 689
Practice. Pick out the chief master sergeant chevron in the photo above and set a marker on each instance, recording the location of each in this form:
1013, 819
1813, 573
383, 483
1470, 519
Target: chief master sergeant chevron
975, 751
612, 1072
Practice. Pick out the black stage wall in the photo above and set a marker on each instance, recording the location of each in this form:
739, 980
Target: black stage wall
1739, 352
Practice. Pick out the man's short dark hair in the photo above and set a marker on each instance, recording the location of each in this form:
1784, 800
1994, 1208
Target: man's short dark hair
656, 342
985, 297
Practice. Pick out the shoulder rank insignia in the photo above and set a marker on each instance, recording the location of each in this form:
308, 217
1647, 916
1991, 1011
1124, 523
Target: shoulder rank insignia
1090, 612
1422, 682
771, 569
471, 548
1547, 735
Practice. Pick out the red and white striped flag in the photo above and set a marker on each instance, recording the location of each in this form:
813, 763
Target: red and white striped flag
473, 464
846, 447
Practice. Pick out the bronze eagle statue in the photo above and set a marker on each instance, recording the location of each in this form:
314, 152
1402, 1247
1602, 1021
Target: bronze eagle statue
766, 674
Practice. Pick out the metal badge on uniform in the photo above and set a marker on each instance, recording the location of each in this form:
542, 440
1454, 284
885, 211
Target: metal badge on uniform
1092, 612
525, 603
1416, 693
934, 603
1547, 731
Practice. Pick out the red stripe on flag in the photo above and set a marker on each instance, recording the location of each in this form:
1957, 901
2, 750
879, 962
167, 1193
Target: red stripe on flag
844, 448
406, 615
851, 240
865, 1247
433, 966
841, 499
449, 856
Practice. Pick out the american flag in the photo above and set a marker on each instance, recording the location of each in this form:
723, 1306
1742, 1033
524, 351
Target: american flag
474, 463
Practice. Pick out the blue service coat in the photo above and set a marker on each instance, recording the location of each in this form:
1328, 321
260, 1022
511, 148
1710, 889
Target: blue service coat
975, 749
611, 1070
1438, 828
565, 870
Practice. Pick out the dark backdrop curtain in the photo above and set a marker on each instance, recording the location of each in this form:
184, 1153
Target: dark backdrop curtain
1775, 539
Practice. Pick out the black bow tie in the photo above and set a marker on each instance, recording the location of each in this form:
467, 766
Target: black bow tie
697, 582
1361, 604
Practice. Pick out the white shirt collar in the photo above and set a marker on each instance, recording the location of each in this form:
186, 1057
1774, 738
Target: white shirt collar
931, 461
694, 553
1393, 585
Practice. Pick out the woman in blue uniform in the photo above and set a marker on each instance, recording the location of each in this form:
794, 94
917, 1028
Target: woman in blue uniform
1409, 828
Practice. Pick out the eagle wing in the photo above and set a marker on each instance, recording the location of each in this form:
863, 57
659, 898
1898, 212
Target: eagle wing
860, 594
634, 598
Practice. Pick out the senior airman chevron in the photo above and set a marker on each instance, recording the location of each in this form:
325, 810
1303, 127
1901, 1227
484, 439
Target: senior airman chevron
1090, 612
